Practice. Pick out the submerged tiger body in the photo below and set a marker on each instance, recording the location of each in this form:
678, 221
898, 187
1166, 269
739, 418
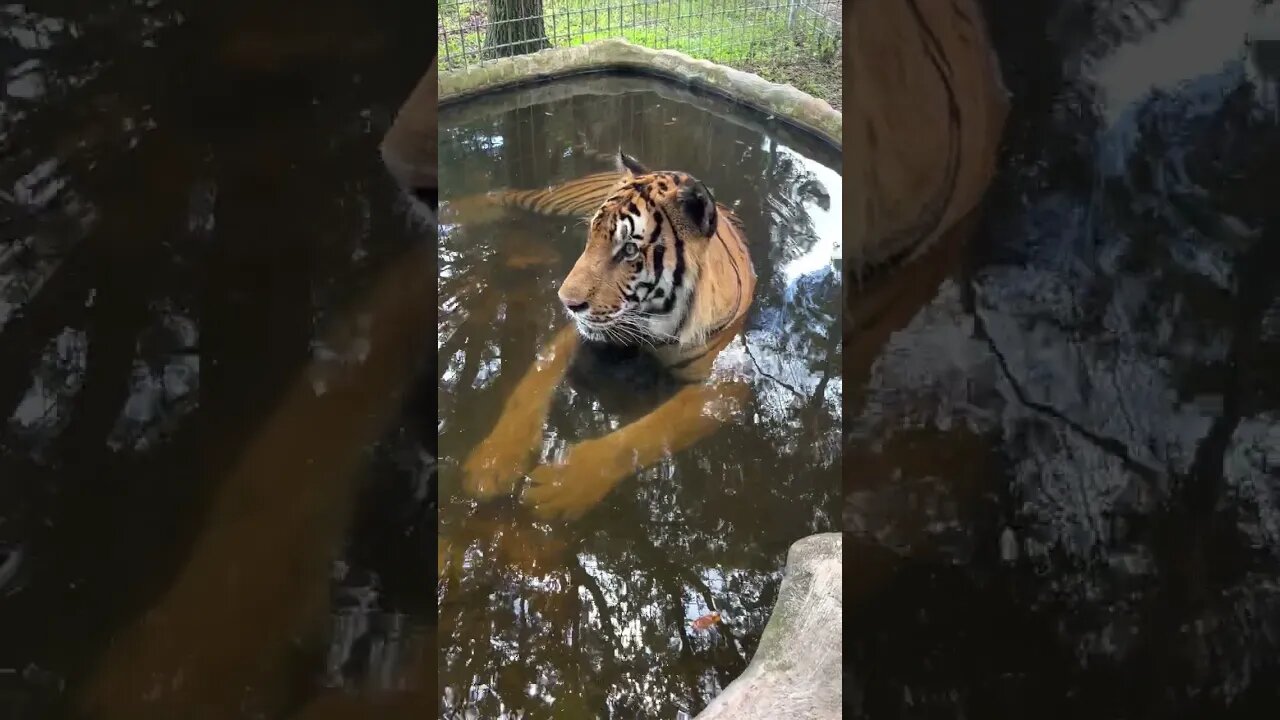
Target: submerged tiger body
665, 271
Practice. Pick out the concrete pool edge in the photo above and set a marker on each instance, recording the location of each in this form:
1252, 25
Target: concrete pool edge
784, 102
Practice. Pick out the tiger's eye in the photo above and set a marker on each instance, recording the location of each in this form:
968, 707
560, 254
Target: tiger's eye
629, 249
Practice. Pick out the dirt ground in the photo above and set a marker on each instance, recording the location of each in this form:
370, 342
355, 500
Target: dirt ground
821, 79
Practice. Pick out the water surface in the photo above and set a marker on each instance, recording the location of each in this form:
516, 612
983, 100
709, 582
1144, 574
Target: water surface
195, 452
1069, 503
590, 618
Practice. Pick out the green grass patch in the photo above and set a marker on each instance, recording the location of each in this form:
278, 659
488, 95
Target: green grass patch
764, 36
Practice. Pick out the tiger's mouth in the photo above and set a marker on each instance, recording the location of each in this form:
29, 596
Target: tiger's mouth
590, 329
589, 333
615, 329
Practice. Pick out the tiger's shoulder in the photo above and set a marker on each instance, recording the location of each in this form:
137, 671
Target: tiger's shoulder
924, 138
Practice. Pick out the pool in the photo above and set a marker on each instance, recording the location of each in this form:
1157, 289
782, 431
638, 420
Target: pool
590, 614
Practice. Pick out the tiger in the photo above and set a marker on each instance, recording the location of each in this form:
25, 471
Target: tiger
666, 271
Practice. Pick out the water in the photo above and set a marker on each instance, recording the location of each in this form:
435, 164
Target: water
1070, 504
591, 617
210, 314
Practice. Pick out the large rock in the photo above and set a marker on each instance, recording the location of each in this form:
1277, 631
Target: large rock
795, 673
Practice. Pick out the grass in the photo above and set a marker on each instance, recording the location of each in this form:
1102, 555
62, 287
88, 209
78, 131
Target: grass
760, 36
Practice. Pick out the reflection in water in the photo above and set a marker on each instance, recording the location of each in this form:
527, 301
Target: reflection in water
593, 617
1075, 442
211, 312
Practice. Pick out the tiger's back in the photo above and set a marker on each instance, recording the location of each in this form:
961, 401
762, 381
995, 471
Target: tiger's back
704, 285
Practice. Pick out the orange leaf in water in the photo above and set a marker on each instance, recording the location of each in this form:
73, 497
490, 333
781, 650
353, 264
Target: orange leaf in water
706, 621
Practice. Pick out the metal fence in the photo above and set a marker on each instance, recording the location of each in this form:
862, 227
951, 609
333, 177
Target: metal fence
732, 32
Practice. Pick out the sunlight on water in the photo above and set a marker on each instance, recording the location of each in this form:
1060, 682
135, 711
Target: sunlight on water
1207, 35
827, 222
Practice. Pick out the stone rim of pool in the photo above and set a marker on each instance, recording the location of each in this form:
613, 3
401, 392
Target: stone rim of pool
615, 55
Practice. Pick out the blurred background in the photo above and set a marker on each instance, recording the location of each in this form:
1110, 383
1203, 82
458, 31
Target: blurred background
195, 236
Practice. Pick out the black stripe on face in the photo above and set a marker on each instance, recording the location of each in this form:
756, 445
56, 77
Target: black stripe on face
656, 258
677, 275
645, 288
630, 293
625, 228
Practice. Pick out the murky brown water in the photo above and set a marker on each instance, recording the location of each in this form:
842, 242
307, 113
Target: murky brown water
211, 313
591, 617
1068, 501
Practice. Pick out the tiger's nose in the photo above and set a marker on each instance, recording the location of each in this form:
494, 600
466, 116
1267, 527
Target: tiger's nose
573, 303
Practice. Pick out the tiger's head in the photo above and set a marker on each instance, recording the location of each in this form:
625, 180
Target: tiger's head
635, 281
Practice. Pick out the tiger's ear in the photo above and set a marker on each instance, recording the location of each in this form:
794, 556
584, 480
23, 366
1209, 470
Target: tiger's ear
630, 165
698, 205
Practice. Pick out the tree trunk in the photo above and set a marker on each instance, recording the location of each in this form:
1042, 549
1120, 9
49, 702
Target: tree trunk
515, 28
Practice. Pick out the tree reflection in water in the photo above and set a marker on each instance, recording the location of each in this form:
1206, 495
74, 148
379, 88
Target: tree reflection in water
209, 309
1071, 448
594, 615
